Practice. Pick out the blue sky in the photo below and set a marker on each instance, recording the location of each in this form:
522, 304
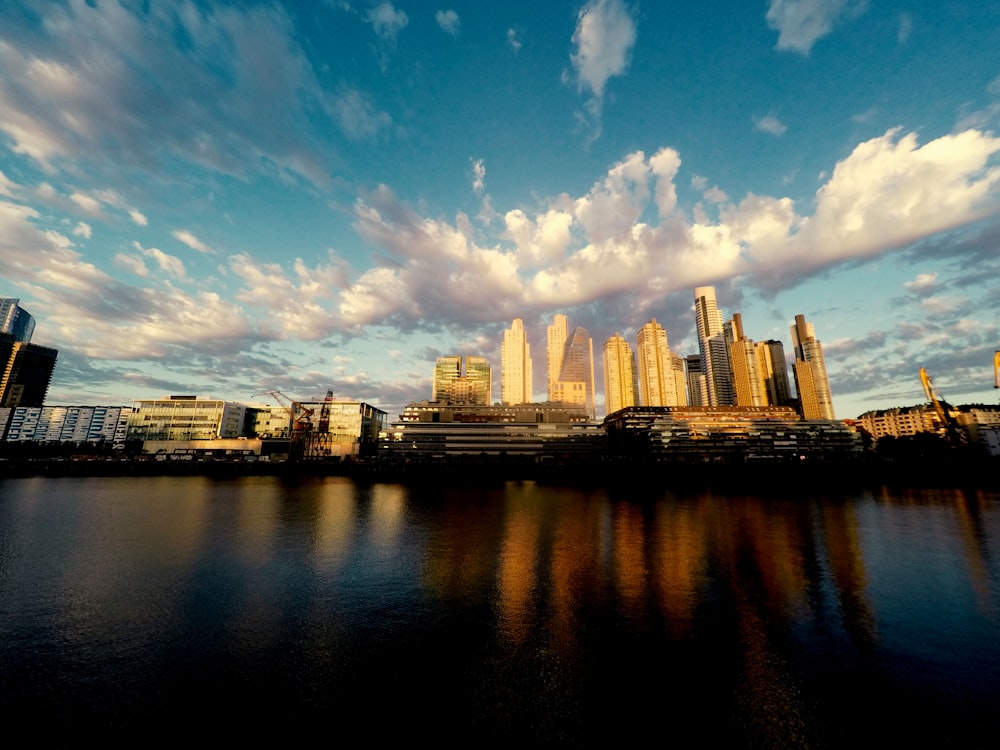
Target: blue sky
228, 198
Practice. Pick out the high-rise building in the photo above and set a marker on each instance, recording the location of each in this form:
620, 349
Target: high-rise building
774, 370
713, 347
452, 386
15, 320
748, 384
620, 373
680, 378
576, 377
25, 371
697, 385
557, 333
446, 371
811, 382
657, 382
515, 366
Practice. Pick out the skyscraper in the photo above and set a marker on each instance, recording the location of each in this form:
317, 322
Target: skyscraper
697, 386
748, 383
557, 334
774, 370
576, 377
25, 372
815, 399
713, 347
515, 366
15, 320
620, 372
657, 383
446, 371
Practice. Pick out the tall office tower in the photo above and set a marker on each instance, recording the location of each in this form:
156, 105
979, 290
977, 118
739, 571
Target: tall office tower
515, 366
748, 383
576, 378
774, 370
446, 371
657, 385
25, 371
479, 373
680, 378
557, 334
713, 347
697, 384
15, 320
815, 399
620, 372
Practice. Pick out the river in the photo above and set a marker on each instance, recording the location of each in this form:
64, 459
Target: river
497, 613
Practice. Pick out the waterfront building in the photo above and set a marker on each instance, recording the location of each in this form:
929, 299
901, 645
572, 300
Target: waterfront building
679, 364
902, 421
620, 384
515, 366
25, 371
811, 383
452, 386
712, 346
727, 434
338, 429
556, 336
748, 384
657, 382
576, 377
15, 320
774, 370
68, 424
185, 418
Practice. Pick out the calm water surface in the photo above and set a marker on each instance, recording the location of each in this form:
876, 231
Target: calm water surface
510, 613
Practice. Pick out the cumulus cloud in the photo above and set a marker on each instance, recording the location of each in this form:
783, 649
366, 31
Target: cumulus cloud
626, 235
82, 230
449, 21
923, 283
603, 40
182, 235
137, 217
769, 124
800, 23
168, 264
387, 22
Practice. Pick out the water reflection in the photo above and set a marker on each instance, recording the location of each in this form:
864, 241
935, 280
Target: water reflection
519, 610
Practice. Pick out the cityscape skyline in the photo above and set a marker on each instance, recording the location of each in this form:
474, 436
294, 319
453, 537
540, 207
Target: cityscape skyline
231, 198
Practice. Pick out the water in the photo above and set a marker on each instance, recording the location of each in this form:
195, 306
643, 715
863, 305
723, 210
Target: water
508, 613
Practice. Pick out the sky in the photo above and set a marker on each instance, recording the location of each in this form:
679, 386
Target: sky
229, 198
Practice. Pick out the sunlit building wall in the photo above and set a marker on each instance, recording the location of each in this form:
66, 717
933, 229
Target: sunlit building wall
774, 370
620, 385
556, 335
811, 382
657, 383
185, 418
515, 365
76, 424
748, 384
713, 347
576, 378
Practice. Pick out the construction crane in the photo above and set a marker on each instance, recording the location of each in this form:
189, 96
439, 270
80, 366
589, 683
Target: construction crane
300, 417
996, 369
941, 408
324, 414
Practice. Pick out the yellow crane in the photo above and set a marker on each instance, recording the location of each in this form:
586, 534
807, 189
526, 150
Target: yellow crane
941, 408
996, 369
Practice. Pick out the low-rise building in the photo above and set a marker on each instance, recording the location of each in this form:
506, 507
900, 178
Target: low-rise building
62, 424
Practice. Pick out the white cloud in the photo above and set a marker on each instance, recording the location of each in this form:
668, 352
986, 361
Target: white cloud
86, 203
138, 217
449, 21
356, 113
182, 235
512, 40
800, 23
478, 176
387, 21
169, 264
770, 124
924, 282
131, 263
82, 230
604, 37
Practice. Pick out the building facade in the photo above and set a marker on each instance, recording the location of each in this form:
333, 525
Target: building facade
657, 381
620, 373
452, 386
713, 347
809, 368
576, 378
515, 366
749, 388
556, 335
25, 371
15, 320
67, 424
